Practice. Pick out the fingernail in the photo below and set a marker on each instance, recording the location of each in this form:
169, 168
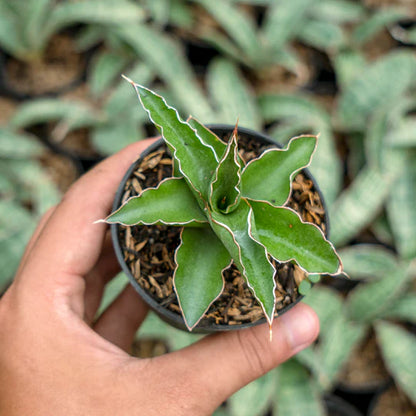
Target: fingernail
301, 325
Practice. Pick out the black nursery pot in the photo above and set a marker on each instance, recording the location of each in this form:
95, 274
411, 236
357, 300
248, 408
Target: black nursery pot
165, 314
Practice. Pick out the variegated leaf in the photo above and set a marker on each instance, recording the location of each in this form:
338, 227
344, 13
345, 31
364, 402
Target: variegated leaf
197, 161
368, 261
401, 209
372, 89
232, 94
269, 177
288, 238
296, 392
250, 256
369, 301
398, 348
225, 185
201, 258
171, 202
208, 137
359, 204
403, 309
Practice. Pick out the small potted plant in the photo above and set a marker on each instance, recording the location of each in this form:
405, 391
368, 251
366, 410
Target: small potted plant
195, 216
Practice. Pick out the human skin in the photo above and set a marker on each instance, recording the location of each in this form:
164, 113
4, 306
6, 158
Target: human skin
55, 359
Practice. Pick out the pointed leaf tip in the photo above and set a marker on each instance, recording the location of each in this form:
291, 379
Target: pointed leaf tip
269, 177
225, 184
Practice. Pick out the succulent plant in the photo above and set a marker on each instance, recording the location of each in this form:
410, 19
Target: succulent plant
229, 212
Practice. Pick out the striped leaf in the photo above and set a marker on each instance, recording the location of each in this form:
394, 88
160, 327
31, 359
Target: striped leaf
359, 204
367, 261
369, 301
246, 401
398, 348
371, 90
296, 392
231, 94
401, 209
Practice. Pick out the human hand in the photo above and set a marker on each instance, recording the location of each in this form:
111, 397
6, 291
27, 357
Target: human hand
55, 360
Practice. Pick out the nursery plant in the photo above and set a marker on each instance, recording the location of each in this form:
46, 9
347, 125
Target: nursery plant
230, 212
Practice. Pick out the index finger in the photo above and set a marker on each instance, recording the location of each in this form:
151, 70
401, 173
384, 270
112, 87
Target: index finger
70, 243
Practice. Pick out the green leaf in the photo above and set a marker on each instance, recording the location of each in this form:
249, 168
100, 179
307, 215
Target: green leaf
112, 289
171, 203
296, 392
11, 39
250, 256
300, 110
291, 106
104, 12
16, 146
333, 351
197, 161
201, 258
398, 348
42, 110
376, 23
322, 35
401, 209
327, 303
208, 137
403, 309
348, 65
404, 134
109, 138
246, 401
287, 238
104, 69
368, 261
304, 287
232, 20
269, 177
359, 204
167, 60
225, 184
337, 11
369, 301
372, 89
283, 20
232, 94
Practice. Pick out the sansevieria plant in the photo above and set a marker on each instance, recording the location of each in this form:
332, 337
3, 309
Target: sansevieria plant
234, 212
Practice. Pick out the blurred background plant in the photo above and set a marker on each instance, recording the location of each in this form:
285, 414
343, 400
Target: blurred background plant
342, 68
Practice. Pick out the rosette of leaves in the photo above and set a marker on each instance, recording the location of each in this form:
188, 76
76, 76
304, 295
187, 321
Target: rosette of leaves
229, 211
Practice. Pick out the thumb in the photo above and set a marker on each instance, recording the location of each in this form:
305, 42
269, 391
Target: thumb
217, 366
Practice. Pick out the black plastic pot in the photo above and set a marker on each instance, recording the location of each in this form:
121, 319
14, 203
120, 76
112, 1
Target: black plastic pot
166, 314
336, 406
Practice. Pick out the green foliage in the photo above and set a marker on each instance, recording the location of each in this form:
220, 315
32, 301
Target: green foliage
298, 393
27, 25
26, 192
246, 221
399, 350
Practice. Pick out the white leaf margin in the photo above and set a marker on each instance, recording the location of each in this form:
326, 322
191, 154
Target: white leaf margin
190, 328
237, 186
295, 172
149, 223
340, 270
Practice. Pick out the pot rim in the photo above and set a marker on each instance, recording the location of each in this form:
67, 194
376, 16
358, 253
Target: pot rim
167, 315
